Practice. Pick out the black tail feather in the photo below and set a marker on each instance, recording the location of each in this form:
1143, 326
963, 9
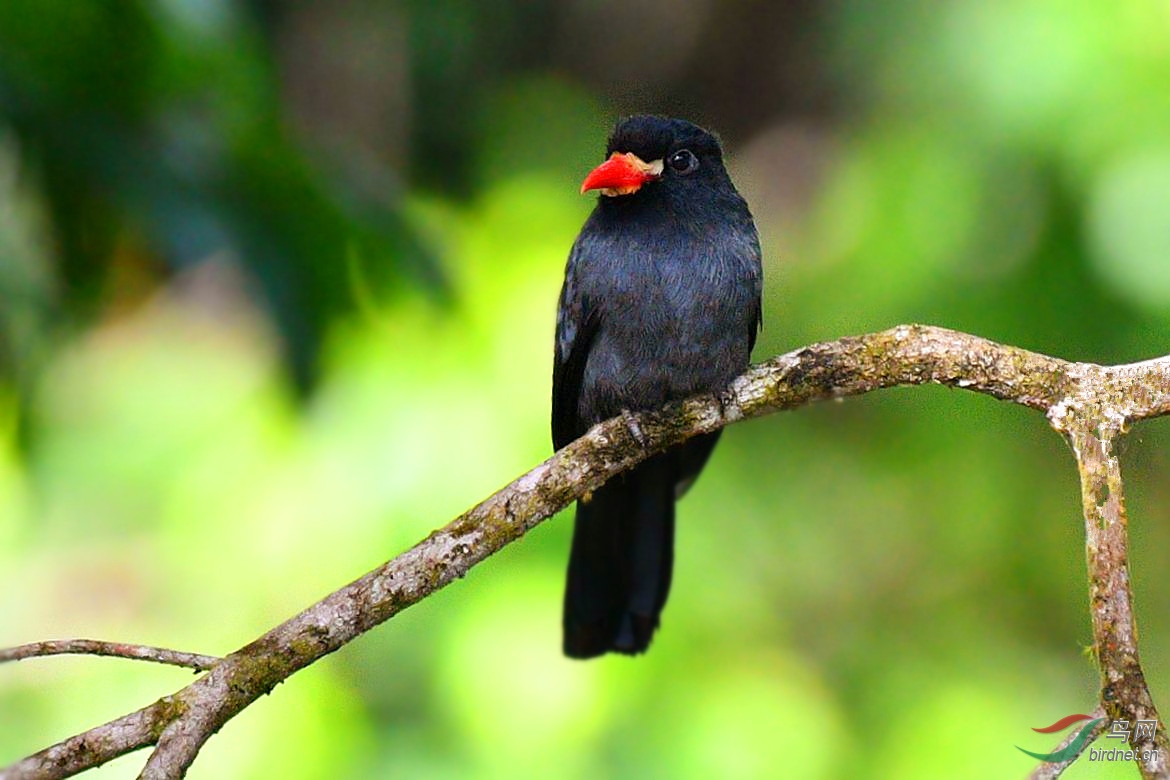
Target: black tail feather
621, 561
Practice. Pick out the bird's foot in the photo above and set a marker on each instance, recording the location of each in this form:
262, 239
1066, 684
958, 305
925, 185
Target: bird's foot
631, 421
726, 399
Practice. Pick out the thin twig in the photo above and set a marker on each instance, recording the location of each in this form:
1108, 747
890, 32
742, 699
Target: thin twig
906, 355
1124, 693
158, 655
1054, 770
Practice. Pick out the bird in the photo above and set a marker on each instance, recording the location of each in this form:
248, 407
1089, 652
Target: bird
661, 301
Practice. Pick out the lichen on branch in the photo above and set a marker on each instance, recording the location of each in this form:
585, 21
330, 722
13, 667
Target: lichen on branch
1090, 405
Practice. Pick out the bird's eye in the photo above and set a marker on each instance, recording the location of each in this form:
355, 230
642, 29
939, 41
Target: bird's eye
683, 161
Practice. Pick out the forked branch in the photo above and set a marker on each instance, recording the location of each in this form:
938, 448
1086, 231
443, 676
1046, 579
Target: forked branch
1089, 404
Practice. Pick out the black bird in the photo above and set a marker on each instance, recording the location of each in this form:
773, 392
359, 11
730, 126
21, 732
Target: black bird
661, 301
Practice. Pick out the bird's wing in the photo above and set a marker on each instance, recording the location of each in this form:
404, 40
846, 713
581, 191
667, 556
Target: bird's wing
757, 326
758, 299
576, 326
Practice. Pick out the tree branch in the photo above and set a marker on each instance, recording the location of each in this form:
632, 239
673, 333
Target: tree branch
95, 747
1124, 694
1051, 771
907, 355
158, 655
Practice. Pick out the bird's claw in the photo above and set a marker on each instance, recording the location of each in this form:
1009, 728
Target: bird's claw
631, 421
724, 398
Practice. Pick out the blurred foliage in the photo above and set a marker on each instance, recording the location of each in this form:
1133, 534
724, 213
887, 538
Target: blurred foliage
152, 134
887, 587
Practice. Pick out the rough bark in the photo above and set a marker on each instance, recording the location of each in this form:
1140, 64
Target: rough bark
1090, 405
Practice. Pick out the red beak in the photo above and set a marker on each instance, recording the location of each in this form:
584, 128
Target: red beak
621, 174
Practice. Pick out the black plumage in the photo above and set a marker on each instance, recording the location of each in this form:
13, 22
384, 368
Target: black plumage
661, 301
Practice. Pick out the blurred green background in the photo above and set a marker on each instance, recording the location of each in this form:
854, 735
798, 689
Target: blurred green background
277, 287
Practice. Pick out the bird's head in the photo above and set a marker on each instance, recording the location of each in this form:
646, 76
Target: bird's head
652, 152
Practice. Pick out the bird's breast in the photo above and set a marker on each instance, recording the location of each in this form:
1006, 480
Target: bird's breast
673, 324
